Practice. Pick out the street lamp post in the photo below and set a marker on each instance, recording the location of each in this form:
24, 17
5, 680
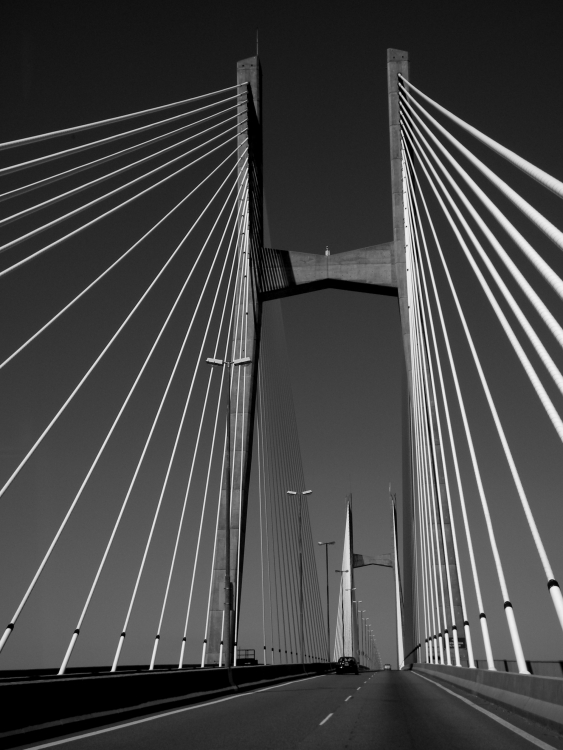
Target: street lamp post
342, 600
358, 620
360, 613
301, 633
361, 624
327, 605
351, 621
228, 587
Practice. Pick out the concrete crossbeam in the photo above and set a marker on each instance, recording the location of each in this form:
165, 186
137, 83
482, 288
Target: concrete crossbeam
283, 273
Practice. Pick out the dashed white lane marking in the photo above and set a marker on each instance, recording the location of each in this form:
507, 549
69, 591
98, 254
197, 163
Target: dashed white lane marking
530, 737
359, 688
326, 718
348, 698
164, 715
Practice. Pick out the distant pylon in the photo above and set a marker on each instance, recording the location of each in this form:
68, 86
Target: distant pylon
346, 638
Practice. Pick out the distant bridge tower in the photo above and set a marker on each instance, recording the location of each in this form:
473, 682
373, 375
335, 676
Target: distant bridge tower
346, 639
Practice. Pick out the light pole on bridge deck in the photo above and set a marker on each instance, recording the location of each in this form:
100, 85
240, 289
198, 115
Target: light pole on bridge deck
361, 624
327, 604
227, 640
357, 602
351, 622
342, 601
301, 634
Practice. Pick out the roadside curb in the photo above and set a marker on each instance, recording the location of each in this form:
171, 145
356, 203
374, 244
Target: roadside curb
531, 696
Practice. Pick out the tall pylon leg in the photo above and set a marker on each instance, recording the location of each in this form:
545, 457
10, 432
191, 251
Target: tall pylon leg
245, 343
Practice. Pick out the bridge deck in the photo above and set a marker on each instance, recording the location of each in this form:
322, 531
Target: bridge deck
387, 710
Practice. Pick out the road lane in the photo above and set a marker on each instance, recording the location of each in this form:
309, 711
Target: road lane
391, 711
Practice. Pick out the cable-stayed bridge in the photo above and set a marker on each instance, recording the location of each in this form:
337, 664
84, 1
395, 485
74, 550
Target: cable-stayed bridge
154, 456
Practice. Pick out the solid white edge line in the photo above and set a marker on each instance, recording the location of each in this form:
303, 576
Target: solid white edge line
325, 720
164, 715
516, 730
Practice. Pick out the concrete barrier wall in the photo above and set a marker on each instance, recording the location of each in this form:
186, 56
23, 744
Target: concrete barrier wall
542, 668
538, 698
37, 709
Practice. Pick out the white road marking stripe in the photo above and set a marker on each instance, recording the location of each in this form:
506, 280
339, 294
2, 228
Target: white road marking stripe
530, 737
359, 688
325, 720
347, 699
164, 715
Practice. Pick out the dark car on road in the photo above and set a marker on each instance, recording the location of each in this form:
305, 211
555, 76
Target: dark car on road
347, 664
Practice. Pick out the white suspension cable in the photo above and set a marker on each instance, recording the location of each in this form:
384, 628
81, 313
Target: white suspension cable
546, 271
549, 229
263, 458
100, 277
243, 240
174, 450
545, 179
429, 324
553, 586
416, 459
205, 495
421, 573
534, 298
147, 441
547, 360
260, 501
95, 201
98, 180
430, 566
17, 613
542, 310
95, 220
428, 605
430, 505
204, 647
196, 447
482, 616
234, 323
115, 335
508, 609
244, 376
426, 539
104, 141
108, 121
428, 382
553, 325
435, 500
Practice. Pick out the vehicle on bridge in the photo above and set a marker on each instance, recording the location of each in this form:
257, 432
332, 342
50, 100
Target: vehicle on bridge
246, 657
347, 664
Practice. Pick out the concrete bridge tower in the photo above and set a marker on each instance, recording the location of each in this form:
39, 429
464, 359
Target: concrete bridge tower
378, 269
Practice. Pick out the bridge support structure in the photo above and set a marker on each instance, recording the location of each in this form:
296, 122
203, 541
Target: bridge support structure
271, 274
245, 342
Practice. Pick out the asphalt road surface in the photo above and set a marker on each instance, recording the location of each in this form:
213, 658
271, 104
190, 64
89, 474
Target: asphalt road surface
381, 710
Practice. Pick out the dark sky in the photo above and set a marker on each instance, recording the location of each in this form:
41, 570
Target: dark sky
326, 174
